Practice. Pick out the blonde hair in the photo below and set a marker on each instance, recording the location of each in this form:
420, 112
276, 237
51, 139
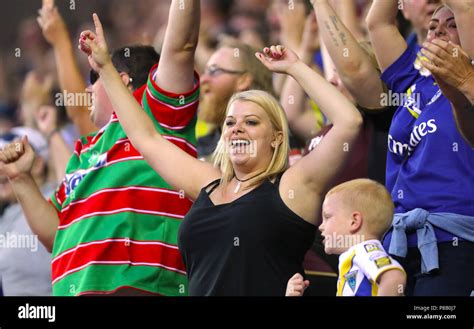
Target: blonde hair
371, 199
279, 161
439, 8
261, 76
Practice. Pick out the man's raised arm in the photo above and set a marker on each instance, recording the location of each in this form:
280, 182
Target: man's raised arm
16, 161
176, 68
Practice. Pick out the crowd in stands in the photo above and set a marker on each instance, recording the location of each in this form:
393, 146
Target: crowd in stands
238, 148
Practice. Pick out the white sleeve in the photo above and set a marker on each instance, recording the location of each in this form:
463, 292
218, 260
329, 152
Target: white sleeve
373, 260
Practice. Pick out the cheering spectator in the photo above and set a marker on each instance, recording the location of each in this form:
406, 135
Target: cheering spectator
231, 244
356, 214
112, 224
433, 229
231, 69
25, 264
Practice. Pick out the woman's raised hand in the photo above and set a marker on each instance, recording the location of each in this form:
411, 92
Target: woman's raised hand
278, 58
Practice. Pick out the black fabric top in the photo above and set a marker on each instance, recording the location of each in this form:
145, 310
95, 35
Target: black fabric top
249, 247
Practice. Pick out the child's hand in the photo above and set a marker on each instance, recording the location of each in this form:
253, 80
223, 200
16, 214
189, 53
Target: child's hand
296, 286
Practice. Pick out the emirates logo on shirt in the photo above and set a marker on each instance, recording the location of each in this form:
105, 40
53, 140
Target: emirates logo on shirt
416, 136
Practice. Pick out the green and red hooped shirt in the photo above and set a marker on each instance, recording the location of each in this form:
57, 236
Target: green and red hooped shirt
119, 219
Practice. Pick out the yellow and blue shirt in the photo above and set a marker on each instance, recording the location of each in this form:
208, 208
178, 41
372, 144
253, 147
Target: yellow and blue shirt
361, 266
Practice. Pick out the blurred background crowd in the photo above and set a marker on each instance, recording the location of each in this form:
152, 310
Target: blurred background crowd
29, 79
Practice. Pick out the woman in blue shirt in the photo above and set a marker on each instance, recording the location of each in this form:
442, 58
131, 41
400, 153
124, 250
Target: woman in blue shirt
429, 164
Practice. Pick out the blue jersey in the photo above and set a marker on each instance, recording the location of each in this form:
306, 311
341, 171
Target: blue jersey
429, 165
411, 87
412, 41
437, 173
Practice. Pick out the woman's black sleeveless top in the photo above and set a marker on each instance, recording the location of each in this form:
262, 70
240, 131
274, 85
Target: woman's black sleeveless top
249, 247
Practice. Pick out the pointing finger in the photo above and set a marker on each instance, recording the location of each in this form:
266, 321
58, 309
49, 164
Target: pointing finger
98, 26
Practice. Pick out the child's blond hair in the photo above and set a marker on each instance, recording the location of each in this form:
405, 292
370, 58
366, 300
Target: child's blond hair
371, 199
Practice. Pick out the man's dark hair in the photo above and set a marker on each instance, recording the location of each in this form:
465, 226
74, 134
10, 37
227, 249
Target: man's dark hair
136, 61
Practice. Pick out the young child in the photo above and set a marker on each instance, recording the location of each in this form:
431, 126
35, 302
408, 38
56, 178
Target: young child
356, 214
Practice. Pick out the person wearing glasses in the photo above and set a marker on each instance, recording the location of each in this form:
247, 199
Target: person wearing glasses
112, 225
231, 68
253, 218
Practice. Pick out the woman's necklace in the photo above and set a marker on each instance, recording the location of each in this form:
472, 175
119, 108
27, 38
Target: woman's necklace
237, 188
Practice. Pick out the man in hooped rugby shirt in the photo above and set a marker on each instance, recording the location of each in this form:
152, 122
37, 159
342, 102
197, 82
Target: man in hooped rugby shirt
112, 224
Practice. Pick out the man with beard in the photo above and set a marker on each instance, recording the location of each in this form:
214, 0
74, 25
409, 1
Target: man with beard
232, 68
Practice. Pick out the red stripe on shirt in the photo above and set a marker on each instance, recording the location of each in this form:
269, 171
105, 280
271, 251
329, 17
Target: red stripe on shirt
117, 251
124, 150
169, 117
61, 193
132, 199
